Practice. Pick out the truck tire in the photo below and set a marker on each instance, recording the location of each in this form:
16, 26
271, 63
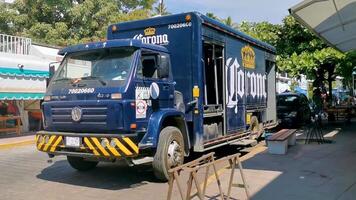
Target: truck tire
80, 164
170, 152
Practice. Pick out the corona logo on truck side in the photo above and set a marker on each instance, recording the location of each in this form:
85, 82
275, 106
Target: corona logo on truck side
235, 83
150, 37
248, 57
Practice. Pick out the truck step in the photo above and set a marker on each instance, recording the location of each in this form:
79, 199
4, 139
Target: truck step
245, 143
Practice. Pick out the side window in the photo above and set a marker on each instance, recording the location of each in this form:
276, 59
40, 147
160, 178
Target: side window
149, 66
153, 65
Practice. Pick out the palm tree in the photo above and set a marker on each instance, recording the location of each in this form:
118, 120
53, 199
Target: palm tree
228, 21
161, 9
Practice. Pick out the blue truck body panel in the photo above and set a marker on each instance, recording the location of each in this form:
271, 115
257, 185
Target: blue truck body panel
184, 40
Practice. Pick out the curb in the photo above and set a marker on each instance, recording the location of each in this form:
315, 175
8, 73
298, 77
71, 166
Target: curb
17, 144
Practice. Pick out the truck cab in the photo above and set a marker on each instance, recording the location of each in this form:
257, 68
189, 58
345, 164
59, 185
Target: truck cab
102, 97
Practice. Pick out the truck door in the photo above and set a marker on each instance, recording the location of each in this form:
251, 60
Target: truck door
213, 58
154, 72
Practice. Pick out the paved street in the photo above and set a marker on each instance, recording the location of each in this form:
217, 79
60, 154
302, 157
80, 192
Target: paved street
311, 172
27, 174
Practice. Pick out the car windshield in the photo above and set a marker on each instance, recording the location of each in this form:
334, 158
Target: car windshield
102, 64
285, 100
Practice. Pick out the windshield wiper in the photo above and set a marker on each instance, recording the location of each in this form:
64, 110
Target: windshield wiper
94, 78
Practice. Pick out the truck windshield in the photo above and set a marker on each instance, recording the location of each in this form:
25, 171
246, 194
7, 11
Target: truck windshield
104, 65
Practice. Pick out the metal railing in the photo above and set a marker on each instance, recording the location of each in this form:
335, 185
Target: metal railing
14, 44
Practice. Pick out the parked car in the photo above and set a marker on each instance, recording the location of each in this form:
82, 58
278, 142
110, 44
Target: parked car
293, 109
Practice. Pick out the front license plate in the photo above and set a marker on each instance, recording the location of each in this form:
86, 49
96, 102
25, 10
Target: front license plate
73, 141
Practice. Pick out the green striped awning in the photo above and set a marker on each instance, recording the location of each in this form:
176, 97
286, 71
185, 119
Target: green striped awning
23, 72
20, 96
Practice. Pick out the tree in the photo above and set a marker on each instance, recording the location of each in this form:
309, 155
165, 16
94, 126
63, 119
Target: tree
263, 31
161, 9
64, 22
228, 21
211, 15
301, 52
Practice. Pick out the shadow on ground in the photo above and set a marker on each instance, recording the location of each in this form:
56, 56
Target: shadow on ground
308, 171
112, 176
108, 176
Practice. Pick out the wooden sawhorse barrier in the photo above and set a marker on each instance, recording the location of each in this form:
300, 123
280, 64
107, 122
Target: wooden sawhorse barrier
205, 162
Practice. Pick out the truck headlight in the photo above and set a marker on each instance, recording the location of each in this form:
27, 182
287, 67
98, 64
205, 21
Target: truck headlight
104, 142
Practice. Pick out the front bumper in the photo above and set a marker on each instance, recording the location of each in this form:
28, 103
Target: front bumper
91, 145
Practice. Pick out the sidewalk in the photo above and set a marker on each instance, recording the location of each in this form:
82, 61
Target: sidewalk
312, 171
10, 142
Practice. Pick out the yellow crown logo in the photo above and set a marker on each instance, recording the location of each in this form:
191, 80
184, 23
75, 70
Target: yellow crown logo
248, 57
150, 31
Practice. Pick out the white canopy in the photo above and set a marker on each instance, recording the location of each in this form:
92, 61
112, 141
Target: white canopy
332, 20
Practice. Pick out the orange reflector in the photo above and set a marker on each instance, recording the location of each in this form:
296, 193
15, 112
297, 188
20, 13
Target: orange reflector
114, 28
188, 18
133, 126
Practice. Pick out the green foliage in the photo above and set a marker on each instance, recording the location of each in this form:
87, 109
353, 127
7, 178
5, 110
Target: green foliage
211, 15
65, 22
160, 9
263, 31
299, 51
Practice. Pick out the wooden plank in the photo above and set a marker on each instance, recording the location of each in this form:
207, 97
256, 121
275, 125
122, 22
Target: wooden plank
281, 135
245, 142
17, 128
8, 129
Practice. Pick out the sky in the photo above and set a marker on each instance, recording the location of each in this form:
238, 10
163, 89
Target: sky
272, 11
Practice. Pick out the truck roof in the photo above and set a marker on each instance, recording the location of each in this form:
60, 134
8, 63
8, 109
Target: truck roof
111, 44
201, 19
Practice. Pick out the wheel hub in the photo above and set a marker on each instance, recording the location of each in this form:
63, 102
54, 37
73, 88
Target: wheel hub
174, 154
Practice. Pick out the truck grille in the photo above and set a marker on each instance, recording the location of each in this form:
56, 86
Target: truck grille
92, 115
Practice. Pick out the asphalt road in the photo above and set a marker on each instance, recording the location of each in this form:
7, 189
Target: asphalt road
26, 173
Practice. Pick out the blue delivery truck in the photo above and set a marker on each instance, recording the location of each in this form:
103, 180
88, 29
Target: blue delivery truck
157, 90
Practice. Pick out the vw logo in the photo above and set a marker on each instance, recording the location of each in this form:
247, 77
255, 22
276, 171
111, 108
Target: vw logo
77, 114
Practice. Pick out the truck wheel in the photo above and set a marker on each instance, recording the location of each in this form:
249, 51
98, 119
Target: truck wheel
80, 164
170, 152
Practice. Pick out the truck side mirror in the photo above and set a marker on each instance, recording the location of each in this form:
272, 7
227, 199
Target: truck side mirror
163, 67
51, 70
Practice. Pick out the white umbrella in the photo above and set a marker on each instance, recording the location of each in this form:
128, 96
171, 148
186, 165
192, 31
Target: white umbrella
332, 20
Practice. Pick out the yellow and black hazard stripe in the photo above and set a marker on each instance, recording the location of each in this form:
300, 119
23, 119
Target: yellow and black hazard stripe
104, 147
113, 147
48, 143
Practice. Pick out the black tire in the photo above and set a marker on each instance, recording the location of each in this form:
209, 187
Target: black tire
80, 164
160, 162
